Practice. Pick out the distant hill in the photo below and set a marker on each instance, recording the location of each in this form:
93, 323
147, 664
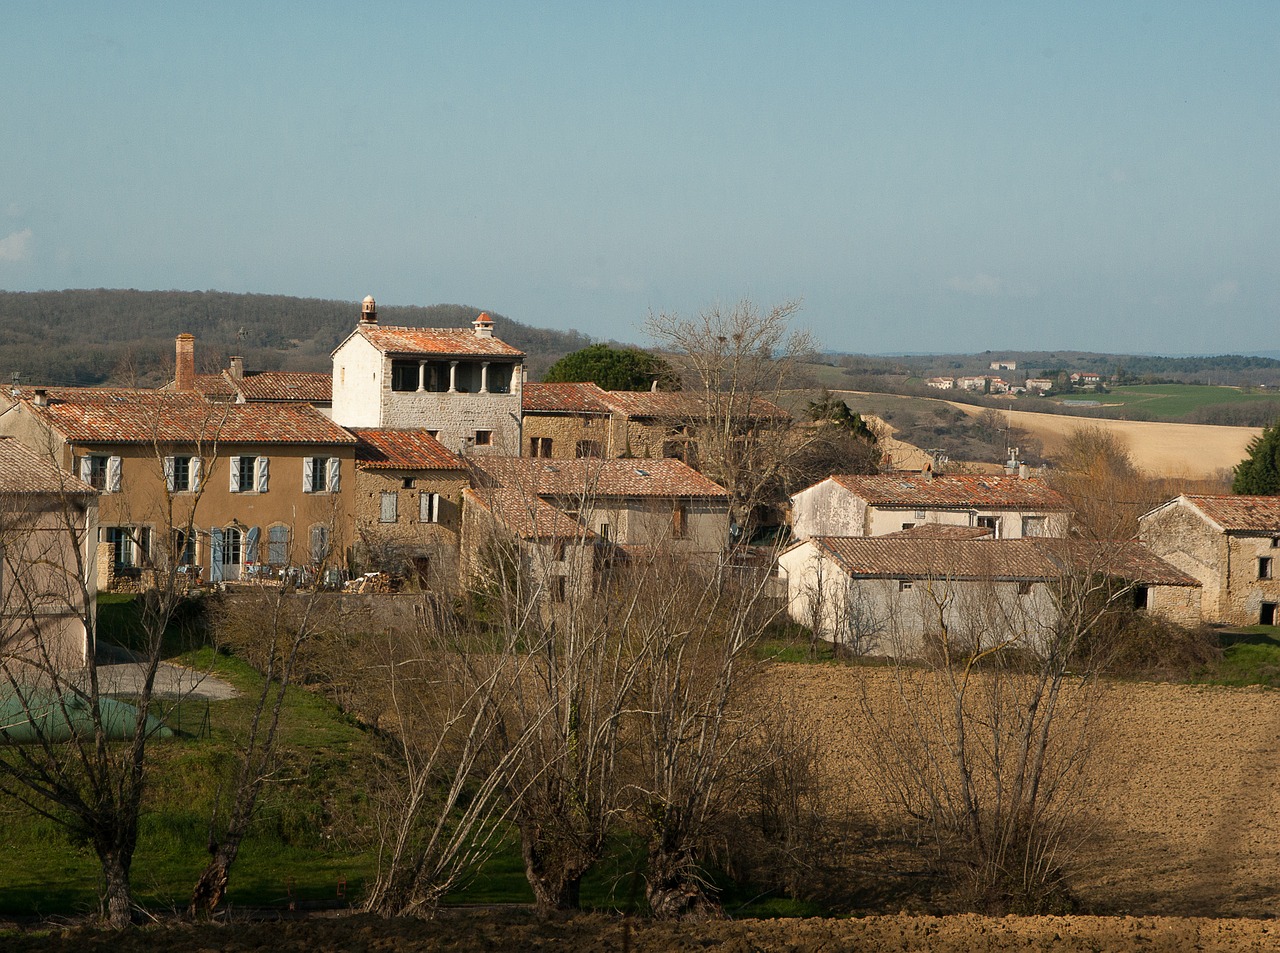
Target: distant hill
1230, 369
104, 336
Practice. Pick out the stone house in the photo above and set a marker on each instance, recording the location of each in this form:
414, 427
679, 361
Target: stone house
659, 502
565, 421
1010, 507
234, 490
1231, 544
408, 505
464, 387
557, 553
893, 595
48, 582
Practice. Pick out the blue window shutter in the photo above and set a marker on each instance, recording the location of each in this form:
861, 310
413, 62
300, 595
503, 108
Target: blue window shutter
251, 544
215, 554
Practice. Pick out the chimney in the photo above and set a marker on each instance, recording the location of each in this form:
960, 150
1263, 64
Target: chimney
184, 369
483, 325
1024, 471
40, 397
653, 388
368, 310
237, 368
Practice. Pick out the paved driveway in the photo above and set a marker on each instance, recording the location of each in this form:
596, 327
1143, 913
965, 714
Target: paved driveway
119, 673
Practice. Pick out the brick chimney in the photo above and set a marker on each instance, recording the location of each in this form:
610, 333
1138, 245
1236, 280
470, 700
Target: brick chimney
483, 325
368, 310
237, 368
184, 368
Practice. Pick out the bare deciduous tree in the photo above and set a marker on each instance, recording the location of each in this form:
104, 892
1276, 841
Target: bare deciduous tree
739, 361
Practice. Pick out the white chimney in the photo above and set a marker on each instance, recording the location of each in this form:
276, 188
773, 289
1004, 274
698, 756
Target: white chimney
237, 368
40, 397
483, 325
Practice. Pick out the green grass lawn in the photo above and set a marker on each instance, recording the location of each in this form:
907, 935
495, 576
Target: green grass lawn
1172, 401
300, 846
1250, 656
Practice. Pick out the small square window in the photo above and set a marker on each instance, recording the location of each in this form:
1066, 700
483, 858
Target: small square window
904, 585
407, 483
484, 438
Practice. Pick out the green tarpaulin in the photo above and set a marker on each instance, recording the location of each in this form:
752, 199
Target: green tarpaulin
34, 714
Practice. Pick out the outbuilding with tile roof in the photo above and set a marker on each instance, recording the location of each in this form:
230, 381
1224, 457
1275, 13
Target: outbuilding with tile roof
1231, 544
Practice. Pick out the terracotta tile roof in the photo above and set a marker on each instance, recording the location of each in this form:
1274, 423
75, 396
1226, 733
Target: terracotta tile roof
563, 399
685, 405
527, 516
446, 342
403, 450
917, 491
211, 385
1240, 513
122, 415
940, 531
24, 471
287, 385
597, 477
996, 559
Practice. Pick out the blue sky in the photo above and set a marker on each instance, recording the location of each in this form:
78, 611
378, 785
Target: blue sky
924, 176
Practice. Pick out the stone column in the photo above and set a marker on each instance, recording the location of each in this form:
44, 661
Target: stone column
422, 375
484, 377
453, 377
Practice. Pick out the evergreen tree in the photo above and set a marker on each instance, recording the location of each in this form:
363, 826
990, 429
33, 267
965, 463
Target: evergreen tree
613, 368
1259, 473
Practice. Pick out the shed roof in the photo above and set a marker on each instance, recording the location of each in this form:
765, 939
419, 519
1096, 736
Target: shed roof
525, 515
24, 471
592, 476
917, 490
403, 450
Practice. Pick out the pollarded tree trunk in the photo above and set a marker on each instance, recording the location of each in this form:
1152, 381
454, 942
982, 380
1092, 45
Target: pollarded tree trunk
117, 897
211, 888
674, 890
555, 876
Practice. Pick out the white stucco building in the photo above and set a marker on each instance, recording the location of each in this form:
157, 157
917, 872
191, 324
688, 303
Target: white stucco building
1010, 507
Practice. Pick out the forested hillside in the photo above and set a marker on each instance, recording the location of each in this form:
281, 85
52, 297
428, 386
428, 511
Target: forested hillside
103, 336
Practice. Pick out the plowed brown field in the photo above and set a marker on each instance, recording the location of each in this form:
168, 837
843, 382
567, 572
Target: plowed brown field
1183, 851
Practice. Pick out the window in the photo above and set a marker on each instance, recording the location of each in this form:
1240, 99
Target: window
130, 545
244, 474
319, 543
588, 448
908, 525
1033, 526
539, 446
557, 589
557, 550
232, 539
1141, 597
904, 585
389, 507
484, 438
429, 508
680, 521
408, 483
605, 532
1265, 567
93, 470
989, 522
321, 474
182, 474
184, 547
278, 545
100, 471
1024, 588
